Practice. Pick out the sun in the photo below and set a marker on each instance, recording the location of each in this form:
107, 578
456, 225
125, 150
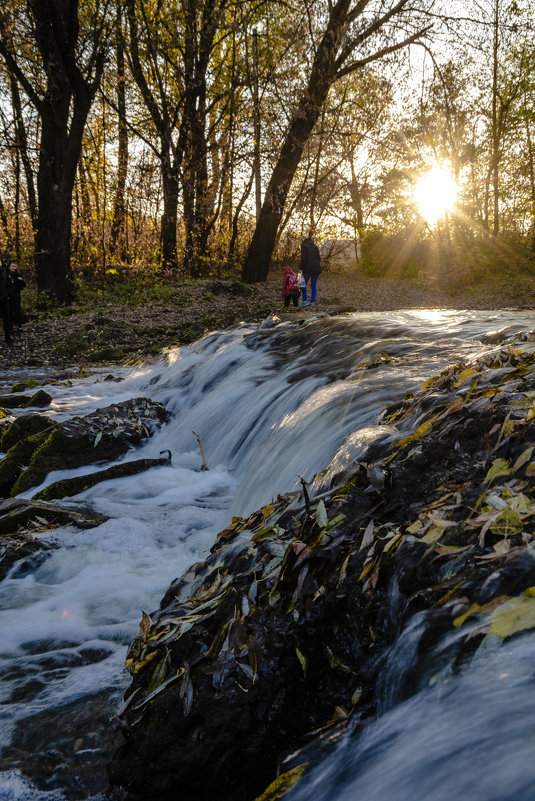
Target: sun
435, 193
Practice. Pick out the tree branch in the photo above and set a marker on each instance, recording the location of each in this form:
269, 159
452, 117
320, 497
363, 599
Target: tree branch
356, 65
369, 31
16, 71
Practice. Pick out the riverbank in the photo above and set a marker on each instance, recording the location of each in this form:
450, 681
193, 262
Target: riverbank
119, 332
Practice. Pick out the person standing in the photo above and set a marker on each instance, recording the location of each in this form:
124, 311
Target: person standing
18, 284
310, 267
290, 290
6, 291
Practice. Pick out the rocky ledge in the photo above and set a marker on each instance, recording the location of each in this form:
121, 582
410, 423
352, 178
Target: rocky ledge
275, 643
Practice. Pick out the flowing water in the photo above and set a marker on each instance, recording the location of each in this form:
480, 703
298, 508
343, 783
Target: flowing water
271, 404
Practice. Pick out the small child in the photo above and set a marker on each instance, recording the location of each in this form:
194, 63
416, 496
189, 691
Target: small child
290, 290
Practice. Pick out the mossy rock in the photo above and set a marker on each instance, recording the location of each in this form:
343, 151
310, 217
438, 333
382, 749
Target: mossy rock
101, 436
108, 355
73, 486
14, 401
60, 451
17, 457
40, 399
24, 426
21, 386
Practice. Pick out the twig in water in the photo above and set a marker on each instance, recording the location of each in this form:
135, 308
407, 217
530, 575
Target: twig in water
304, 484
204, 466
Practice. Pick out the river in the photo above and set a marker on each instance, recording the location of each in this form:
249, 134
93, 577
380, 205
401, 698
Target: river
271, 403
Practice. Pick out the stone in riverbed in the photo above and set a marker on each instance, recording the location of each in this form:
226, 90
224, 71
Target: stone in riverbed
103, 435
73, 486
21, 519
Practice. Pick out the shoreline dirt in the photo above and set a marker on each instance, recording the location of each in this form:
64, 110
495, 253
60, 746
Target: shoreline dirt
121, 334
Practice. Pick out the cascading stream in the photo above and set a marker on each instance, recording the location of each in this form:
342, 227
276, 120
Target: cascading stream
271, 403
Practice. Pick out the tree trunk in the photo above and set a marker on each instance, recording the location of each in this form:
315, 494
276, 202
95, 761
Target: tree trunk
119, 209
63, 109
169, 215
495, 157
61, 146
301, 125
328, 65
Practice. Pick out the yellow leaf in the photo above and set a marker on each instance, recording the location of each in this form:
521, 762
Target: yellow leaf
136, 667
282, 784
524, 457
357, 695
429, 382
468, 373
302, 659
515, 615
391, 542
499, 467
415, 527
461, 618
420, 431
507, 524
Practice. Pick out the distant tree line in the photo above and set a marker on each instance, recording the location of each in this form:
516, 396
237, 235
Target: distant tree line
202, 137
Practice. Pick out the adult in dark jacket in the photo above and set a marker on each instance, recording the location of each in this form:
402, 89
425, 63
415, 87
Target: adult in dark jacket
18, 284
6, 290
311, 268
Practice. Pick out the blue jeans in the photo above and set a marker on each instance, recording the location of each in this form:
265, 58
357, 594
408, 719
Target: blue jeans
313, 286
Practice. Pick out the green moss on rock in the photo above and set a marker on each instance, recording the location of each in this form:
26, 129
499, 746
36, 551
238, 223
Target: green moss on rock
24, 426
16, 458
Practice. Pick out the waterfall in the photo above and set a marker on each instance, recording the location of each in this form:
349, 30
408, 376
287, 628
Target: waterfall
271, 404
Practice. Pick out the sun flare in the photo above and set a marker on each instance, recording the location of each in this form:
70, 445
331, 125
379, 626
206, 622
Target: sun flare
435, 193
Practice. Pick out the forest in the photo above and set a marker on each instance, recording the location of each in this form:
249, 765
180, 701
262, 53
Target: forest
202, 138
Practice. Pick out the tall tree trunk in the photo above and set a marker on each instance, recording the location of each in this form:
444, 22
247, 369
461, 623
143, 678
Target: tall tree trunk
301, 125
118, 227
60, 153
63, 109
495, 157
7, 239
169, 215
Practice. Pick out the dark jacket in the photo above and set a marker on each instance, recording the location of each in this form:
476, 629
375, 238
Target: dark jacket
310, 258
17, 282
6, 284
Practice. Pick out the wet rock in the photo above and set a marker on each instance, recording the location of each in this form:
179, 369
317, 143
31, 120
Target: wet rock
15, 401
74, 756
17, 513
40, 399
20, 520
103, 435
73, 486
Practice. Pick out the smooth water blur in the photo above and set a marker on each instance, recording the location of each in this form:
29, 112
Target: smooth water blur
468, 738
271, 404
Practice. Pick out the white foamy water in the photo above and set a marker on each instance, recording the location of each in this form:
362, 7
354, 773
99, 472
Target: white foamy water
271, 404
